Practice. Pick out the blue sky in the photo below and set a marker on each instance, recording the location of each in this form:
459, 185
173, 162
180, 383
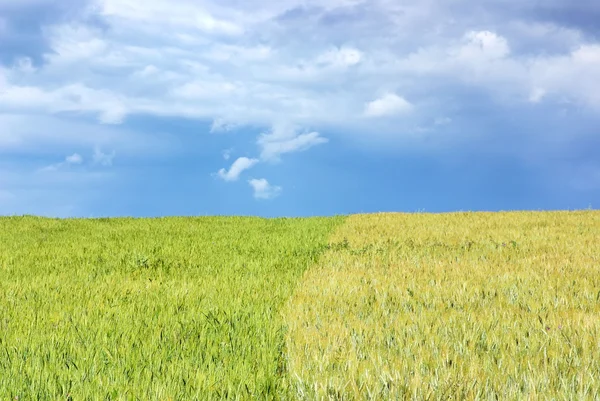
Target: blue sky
297, 108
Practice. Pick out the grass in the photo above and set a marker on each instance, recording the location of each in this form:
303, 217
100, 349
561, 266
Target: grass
452, 306
173, 308
383, 306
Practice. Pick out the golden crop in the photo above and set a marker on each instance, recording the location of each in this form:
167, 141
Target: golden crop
451, 306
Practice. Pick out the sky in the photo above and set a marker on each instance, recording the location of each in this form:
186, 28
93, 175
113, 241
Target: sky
298, 107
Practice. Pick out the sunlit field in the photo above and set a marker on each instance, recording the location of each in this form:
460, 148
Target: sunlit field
174, 308
364, 307
456, 306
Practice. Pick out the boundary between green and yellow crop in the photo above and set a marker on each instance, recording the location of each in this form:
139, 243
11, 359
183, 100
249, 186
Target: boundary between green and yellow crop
393, 306
458, 305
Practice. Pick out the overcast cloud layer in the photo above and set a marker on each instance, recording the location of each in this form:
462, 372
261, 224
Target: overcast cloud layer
292, 74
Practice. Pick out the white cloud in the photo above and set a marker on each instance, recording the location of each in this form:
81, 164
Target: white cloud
562, 76
227, 153
50, 135
75, 158
238, 54
204, 90
387, 105
264, 190
51, 167
103, 159
72, 97
220, 125
340, 58
482, 46
162, 14
75, 43
308, 63
285, 139
238, 166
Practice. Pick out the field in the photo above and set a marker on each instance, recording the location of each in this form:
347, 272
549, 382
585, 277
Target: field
381, 306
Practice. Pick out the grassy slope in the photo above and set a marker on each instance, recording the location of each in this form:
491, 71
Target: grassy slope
174, 308
462, 306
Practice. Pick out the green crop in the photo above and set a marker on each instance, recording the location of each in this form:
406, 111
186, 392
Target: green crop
148, 309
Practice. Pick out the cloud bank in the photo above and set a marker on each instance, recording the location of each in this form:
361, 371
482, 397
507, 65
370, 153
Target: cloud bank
259, 63
294, 72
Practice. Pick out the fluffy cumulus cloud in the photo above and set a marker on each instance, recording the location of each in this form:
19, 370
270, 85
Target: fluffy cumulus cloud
264, 190
482, 46
387, 105
286, 139
238, 166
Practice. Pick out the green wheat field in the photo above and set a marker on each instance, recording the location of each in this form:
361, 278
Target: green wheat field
386, 306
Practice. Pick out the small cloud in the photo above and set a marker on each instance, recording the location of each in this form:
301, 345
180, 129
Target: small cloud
284, 139
52, 167
238, 166
264, 190
227, 154
480, 45
341, 58
103, 159
75, 158
220, 125
387, 105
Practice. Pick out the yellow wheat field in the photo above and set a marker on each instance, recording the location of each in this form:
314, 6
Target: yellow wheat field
451, 306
